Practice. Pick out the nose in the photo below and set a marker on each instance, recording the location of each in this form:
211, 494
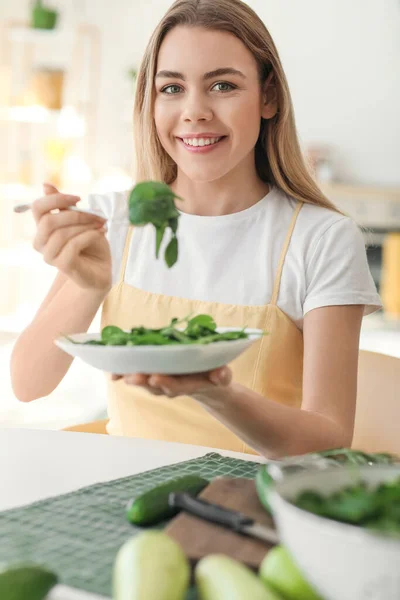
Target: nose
197, 108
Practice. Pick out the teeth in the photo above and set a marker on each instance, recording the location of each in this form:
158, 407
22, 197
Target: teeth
201, 141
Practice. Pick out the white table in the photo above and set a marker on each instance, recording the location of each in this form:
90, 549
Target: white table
40, 464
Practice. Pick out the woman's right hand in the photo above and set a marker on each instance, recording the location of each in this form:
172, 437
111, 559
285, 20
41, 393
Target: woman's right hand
73, 242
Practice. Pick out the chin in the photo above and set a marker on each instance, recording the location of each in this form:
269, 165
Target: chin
204, 175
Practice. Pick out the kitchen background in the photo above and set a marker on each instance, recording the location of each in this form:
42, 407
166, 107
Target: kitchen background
66, 94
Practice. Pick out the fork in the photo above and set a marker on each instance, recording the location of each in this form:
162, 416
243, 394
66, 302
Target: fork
21, 208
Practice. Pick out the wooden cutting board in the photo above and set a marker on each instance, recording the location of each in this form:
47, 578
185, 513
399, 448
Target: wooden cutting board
199, 538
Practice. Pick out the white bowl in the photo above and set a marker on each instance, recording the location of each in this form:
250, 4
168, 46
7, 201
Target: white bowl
167, 360
342, 561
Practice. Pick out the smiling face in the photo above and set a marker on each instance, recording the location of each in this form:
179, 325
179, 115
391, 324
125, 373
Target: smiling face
208, 102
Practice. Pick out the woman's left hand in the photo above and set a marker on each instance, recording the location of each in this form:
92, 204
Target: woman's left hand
179, 385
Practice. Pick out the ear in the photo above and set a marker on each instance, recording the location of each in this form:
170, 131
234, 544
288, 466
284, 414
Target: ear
269, 106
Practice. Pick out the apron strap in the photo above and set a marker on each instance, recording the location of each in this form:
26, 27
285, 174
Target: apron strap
278, 276
125, 254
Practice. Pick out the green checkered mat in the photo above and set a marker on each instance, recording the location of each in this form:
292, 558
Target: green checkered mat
77, 535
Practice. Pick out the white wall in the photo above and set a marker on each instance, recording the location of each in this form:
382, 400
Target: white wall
341, 58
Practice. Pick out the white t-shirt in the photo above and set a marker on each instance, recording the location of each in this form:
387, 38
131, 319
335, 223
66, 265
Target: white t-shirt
233, 258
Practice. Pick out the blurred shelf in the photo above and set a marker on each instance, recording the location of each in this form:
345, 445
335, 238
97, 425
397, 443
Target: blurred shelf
28, 114
367, 193
40, 71
37, 36
370, 206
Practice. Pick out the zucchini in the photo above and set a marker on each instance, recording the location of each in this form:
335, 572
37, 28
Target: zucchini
151, 566
152, 506
219, 577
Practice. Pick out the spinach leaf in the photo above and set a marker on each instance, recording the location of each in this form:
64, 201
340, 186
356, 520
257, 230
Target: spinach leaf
152, 202
160, 230
109, 331
200, 322
171, 252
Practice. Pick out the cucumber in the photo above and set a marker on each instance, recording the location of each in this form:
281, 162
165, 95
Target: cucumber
219, 577
263, 485
20, 582
151, 566
152, 506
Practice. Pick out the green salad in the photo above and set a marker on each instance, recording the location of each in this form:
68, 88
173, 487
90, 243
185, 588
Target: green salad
278, 470
199, 330
376, 508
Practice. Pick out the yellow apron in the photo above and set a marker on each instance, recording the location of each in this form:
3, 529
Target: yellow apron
271, 367
390, 281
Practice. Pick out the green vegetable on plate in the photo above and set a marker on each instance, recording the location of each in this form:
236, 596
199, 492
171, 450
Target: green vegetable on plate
200, 329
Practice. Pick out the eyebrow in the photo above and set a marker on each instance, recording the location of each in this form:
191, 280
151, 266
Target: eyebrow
209, 75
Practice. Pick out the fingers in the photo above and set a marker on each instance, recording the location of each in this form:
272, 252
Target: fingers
49, 188
73, 248
62, 237
51, 202
147, 383
140, 380
222, 376
50, 223
180, 385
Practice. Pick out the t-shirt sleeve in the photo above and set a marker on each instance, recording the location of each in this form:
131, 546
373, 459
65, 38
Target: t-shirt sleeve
114, 207
338, 272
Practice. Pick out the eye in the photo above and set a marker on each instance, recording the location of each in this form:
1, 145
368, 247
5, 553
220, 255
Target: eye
171, 89
225, 86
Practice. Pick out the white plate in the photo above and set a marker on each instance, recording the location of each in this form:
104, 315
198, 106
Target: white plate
168, 360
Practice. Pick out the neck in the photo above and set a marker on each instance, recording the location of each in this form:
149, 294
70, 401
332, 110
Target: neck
234, 192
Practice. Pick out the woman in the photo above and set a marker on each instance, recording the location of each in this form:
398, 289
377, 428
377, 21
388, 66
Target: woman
260, 246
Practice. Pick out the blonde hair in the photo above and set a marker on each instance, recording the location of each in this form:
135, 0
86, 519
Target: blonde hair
279, 160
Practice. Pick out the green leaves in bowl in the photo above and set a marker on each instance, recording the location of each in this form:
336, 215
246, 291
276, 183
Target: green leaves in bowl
376, 508
199, 330
152, 202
